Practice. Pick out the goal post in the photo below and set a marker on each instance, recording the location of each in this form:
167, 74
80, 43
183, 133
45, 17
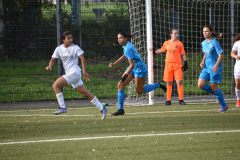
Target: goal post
149, 48
150, 23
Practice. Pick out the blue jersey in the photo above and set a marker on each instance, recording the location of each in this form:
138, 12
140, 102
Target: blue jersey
131, 54
212, 50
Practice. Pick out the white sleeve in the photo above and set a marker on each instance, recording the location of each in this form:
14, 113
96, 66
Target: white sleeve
55, 53
79, 51
235, 46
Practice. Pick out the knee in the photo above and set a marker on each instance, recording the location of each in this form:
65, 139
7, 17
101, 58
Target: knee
120, 86
200, 85
139, 90
180, 82
54, 86
238, 86
169, 83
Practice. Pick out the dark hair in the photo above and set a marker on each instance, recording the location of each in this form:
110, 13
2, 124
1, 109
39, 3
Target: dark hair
65, 34
173, 29
214, 34
125, 34
237, 37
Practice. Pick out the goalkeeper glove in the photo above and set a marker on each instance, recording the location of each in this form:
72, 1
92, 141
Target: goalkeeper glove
185, 66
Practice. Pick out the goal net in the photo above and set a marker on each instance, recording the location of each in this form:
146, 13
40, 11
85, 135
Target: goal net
189, 16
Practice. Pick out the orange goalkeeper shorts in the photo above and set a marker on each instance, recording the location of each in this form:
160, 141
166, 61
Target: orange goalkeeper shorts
172, 71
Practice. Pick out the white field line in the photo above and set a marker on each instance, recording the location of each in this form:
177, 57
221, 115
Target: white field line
92, 115
120, 136
82, 108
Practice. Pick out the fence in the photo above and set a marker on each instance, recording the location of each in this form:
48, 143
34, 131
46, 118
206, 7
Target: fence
29, 37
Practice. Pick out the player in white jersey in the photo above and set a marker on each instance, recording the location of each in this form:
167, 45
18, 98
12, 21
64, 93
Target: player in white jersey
236, 54
69, 54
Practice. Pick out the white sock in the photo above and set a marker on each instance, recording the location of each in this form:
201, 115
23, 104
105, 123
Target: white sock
60, 100
97, 103
237, 91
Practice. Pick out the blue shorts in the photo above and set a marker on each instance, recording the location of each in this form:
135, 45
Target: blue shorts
139, 73
211, 76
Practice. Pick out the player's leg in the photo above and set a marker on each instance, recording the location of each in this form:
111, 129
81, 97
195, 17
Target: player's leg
237, 84
204, 77
77, 84
237, 91
178, 74
57, 87
140, 87
93, 99
215, 79
121, 95
168, 78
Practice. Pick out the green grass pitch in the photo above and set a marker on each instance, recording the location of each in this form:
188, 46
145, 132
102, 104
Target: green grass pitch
149, 132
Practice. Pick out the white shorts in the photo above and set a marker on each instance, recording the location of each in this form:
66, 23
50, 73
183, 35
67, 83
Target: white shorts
74, 79
237, 71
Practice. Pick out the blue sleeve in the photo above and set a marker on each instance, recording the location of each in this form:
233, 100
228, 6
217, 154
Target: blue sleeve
202, 47
129, 53
217, 47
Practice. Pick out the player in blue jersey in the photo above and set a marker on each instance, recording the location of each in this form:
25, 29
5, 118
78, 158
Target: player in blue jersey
137, 70
211, 65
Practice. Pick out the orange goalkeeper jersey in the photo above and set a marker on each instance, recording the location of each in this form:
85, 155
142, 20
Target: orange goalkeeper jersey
174, 50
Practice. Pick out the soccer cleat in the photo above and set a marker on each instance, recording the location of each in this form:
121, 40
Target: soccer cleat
222, 110
181, 102
162, 85
168, 103
104, 111
118, 112
60, 111
238, 104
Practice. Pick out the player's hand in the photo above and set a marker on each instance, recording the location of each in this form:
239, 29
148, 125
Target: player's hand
202, 64
48, 68
86, 76
156, 52
185, 66
237, 58
110, 65
215, 68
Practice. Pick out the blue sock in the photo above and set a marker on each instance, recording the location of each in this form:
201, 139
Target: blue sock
220, 98
121, 97
150, 87
208, 89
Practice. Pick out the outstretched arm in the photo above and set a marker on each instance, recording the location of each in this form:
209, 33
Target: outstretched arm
158, 51
84, 68
50, 64
117, 61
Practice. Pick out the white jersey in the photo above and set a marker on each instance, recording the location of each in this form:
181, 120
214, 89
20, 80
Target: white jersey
69, 57
236, 48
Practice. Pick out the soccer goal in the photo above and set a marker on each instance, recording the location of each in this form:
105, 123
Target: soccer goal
151, 21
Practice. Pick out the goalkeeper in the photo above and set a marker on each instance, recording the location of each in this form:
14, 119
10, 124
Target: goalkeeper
173, 69
137, 70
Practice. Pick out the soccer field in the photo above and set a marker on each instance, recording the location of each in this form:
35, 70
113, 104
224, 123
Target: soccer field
148, 132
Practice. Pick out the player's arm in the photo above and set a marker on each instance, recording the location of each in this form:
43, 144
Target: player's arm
185, 63
128, 71
117, 61
163, 49
50, 64
202, 64
234, 55
84, 67
215, 67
